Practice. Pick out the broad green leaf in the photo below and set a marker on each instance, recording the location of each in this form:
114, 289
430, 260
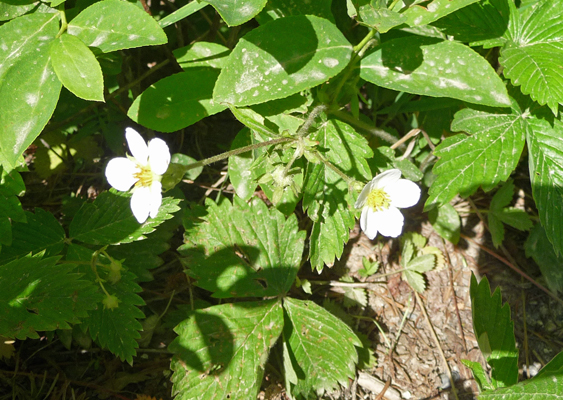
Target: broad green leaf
11, 185
545, 385
181, 13
494, 331
29, 88
429, 67
445, 220
77, 68
41, 232
541, 250
531, 58
284, 8
374, 13
111, 25
321, 348
221, 351
418, 15
545, 161
40, 295
325, 193
109, 220
202, 54
10, 11
116, 329
177, 101
237, 12
244, 250
239, 166
483, 23
281, 58
485, 157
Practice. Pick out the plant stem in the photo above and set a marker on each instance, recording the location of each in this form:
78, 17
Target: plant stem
328, 164
304, 129
235, 152
366, 127
64, 24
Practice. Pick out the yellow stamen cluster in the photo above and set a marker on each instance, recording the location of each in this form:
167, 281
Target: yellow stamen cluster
378, 200
145, 176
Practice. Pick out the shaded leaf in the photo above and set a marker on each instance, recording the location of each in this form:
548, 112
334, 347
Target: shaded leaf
281, 58
111, 25
202, 54
177, 101
418, 15
445, 220
237, 12
376, 15
239, 166
222, 350
429, 67
541, 250
284, 8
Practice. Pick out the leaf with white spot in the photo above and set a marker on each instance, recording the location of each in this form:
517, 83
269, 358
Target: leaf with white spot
281, 58
376, 15
284, 8
435, 68
418, 14
485, 157
545, 150
29, 88
322, 348
237, 12
177, 101
111, 25
221, 351
10, 11
202, 54
532, 59
77, 68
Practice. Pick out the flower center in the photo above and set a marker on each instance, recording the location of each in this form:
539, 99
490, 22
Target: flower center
378, 200
145, 176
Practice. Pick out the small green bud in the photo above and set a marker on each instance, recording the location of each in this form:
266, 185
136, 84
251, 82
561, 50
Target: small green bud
111, 302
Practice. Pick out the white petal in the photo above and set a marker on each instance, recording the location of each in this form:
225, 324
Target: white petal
403, 193
159, 156
120, 173
364, 219
386, 178
141, 203
389, 222
361, 201
156, 198
137, 146
371, 222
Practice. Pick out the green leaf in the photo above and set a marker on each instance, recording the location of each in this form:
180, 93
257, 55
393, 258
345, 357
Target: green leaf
202, 54
545, 385
309, 332
284, 8
10, 11
77, 68
325, 192
502, 197
494, 331
177, 101
375, 14
221, 351
368, 267
244, 250
423, 263
425, 66
418, 15
445, 220
540, 249
353, 296
11, 185
281, 58
416, 280
516, 218
40, 295
116, 329
531, 58
483, 23
111, 25
42, 232
479, 374
239, 166
484, 158
237, 12
546, 173
109, 220
496, 228
29, 89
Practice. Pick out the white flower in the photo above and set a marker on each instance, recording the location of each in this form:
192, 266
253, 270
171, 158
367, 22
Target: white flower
144, 170
380, 201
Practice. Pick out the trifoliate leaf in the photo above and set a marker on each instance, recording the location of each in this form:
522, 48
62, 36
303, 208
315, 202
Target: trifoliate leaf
485, 157
440, 260
368, 267
309, 331
114, 321
41, 232
221, 351
109, 220
445, 220
416, 280
40, 295
516, 218
494, 331
423, 263
541, 250
242, 250
325, 192
353, 296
